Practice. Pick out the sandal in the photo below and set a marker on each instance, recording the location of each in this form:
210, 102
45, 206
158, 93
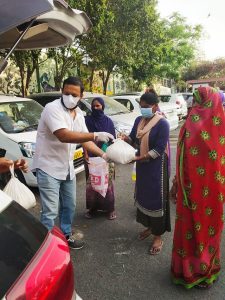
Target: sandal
144, 234
88, 215
112, 216
156, 250
204, 285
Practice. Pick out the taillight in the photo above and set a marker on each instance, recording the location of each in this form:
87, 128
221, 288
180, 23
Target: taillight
50, 275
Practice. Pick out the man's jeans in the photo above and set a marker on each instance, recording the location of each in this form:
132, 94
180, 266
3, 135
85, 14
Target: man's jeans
58, 197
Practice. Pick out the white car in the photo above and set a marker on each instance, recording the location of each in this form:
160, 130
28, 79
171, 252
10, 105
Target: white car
132, 103
179, 100
18, 130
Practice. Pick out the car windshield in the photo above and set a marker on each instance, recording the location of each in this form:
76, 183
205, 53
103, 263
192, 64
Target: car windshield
112, 107
19, 116
164, 98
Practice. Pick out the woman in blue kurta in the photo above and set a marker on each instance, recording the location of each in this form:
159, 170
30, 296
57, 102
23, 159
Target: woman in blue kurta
150, 135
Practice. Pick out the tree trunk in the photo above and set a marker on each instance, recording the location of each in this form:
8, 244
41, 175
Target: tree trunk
91, 80
105, 81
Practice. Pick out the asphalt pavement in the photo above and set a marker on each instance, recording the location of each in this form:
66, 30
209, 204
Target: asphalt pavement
114, 264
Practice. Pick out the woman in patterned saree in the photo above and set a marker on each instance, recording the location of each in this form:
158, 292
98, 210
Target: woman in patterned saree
200, 192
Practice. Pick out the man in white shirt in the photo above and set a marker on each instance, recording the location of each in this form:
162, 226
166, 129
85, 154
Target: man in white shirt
60, 128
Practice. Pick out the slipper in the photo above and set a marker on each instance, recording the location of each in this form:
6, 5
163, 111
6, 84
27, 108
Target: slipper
205, 285
88, 215
112, 216
144, 234
156, 250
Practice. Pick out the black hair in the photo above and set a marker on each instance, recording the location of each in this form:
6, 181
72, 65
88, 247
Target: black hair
74, 81
150, 90
150, 98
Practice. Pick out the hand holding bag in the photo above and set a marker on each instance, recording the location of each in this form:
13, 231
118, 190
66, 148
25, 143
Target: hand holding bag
19, 192
121, 152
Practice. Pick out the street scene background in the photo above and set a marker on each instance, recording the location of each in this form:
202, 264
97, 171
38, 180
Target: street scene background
114, 264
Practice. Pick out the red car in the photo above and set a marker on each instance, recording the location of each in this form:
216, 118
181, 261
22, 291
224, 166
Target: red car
35, 263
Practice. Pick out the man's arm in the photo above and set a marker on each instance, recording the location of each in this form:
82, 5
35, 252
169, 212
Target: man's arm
67, 136
91, 147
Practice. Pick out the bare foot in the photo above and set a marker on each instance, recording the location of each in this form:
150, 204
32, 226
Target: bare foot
144, 234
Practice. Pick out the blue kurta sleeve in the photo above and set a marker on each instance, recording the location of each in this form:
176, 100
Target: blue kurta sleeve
134, 129
159, 138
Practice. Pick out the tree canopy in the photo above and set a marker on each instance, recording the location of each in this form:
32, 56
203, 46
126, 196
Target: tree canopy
127, 37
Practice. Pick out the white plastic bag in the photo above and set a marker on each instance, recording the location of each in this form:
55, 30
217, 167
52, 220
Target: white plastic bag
19, 192
120, 152
99, 174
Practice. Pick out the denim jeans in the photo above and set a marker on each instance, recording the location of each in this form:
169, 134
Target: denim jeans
58, 198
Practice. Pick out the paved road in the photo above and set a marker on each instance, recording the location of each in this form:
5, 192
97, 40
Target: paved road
114, 264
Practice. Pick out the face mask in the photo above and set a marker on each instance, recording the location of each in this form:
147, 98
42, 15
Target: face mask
70, 102
146, 112
98, 113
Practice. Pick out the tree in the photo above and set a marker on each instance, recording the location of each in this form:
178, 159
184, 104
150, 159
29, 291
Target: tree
65, 59
179, 46
27, 62
120, 29
205, 69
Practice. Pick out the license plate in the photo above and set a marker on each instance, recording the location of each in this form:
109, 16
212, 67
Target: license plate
78, 154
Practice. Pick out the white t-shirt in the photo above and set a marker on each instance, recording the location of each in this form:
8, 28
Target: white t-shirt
52, 156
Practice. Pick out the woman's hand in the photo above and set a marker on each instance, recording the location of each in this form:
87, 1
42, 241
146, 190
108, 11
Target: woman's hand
142, 158
123, 137
21, 164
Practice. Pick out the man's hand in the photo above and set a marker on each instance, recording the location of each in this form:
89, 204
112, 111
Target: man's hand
105, 157
5, 163
103, 137
21, 164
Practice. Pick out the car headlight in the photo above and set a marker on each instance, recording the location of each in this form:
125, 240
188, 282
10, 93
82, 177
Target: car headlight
122, 128
27, 149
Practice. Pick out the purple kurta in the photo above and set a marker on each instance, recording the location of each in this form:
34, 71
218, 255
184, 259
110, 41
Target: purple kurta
152, 180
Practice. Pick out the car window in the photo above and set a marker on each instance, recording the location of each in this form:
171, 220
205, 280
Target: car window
112, 107
164, 98
19, 116
84, 108
127, 103
21, 235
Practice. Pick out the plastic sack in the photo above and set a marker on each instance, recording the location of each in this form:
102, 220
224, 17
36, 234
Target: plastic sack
19, 192
99, 174
120, 152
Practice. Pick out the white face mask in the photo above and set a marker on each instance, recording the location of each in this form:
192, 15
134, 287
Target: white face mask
70, 102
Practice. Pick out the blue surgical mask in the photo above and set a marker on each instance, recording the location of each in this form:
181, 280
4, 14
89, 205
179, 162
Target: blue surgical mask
146, 112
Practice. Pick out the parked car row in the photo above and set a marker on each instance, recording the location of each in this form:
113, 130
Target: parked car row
178, 101
132, 103
122, 118
19, 120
